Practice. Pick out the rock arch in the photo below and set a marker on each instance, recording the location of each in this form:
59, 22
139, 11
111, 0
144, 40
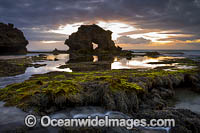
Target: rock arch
88, 34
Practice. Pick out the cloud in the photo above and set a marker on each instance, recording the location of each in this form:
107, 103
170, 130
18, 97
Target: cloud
148, 15
143, 31
129, 40
39, 34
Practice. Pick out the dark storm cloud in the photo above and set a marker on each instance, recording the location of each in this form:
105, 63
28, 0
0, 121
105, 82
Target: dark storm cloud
39, 34
182, 15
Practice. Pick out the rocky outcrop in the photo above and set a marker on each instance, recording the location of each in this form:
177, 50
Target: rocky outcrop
12, 40
82, 40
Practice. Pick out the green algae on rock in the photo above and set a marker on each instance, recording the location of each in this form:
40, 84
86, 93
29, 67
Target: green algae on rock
113, 89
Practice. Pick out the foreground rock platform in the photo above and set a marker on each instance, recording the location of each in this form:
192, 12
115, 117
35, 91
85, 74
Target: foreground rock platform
136, 93
12, 40
126, 91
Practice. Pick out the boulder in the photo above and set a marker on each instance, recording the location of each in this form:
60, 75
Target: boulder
12, 40
83, 40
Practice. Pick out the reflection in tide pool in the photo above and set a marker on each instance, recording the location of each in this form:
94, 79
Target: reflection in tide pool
6, 57
95, 58
140, 62
54, 61
51, 65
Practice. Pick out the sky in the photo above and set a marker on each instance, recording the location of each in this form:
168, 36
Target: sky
136, 24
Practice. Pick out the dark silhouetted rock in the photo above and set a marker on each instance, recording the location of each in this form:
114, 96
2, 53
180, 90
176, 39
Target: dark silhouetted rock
55, 51
12, 40
152, 54
82, 41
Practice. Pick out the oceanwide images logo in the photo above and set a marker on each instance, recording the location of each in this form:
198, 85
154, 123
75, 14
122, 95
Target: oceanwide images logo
46, 121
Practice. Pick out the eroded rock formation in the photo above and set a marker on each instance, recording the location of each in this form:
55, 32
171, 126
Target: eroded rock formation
86, 35
12, 40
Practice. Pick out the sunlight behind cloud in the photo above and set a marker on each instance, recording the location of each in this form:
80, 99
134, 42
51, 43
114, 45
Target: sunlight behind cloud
67, 29
193, 41
116, 28
50, 41
156, 37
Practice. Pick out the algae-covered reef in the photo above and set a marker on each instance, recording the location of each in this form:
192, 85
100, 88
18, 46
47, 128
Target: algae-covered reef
140, 94
122, 90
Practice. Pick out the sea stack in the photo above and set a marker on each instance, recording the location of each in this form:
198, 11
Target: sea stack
83, 39
12, 40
